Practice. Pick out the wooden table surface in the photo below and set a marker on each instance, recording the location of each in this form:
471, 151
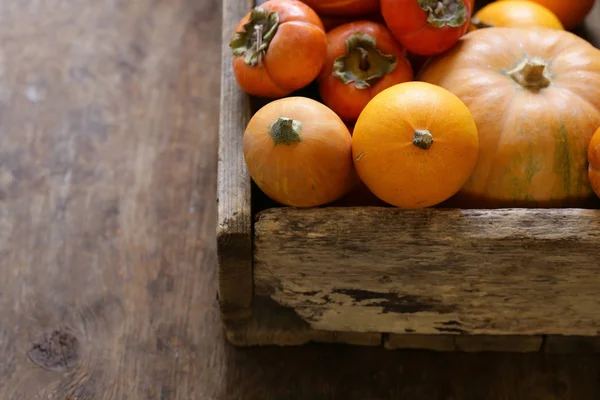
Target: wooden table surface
108, 123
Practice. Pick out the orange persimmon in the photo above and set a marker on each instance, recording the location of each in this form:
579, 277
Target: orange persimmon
344, 7
593, 156
514, 14
427, 27
299, 152
278, 48
363, 58
415, 145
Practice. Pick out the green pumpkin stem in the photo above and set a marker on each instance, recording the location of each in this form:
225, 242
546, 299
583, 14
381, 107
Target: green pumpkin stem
531, 74
286, 131
441, 13
363, 64
423, 139
253, 40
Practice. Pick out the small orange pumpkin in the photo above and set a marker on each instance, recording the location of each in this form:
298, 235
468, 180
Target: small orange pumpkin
363, 58
513, 14
278, 48
593, 155
299, 152
415, 145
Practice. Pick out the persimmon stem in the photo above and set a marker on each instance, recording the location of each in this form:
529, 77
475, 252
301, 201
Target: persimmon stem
253, 40
423, 139
364, 59
532, 74
286, 131
363, 64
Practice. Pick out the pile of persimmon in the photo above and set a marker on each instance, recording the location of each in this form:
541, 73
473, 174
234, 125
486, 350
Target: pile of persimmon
419, 103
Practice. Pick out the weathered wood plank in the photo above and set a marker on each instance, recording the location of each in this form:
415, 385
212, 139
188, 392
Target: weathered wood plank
506, 343
419, 342
572, 344
234, 213
107, 213
433, 271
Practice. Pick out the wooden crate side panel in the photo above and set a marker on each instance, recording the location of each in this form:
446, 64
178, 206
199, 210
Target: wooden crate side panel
273, 324
234, 213
433, 271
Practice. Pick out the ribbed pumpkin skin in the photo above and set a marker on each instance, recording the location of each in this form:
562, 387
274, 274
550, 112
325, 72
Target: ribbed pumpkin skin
533, 144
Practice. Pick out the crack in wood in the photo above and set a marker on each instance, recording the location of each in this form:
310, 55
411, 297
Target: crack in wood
395, 303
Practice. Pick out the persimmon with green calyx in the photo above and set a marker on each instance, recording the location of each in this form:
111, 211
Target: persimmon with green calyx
415, 145
278, 48
593, 156
514, 14
299, 152
535, 95
427, 27
363, 58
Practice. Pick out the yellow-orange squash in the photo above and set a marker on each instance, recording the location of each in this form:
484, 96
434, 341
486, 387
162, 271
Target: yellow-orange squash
515, 13
299, 152
570, 12
414, 145
535, 96
594, 162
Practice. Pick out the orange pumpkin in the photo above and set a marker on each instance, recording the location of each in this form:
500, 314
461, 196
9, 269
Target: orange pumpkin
415, 145
299, 152
515, 13
363, 58
535, 96
570, 12
344, 7
278, 48
593, 156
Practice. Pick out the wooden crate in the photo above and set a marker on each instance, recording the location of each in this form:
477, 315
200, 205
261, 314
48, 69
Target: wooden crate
522, 280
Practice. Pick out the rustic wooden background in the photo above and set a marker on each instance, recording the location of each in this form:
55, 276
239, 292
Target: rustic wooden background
108, 123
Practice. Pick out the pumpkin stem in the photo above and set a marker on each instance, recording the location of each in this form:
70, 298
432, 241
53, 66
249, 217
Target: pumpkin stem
423, 139
441, 13
479, 24
532, 74
364, 64
254, 38
285, 131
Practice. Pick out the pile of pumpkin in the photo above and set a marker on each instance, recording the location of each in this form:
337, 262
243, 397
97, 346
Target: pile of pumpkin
421, 102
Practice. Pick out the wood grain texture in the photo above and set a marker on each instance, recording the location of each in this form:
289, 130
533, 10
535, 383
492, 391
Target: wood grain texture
234, 212
107, 199
491, 272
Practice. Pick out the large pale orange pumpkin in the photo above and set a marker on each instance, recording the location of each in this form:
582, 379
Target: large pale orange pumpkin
299, 152
535, 96
570, 12
414, 145
513, 14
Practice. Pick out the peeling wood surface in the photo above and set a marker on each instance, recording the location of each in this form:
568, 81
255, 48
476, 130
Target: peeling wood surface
433, 271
